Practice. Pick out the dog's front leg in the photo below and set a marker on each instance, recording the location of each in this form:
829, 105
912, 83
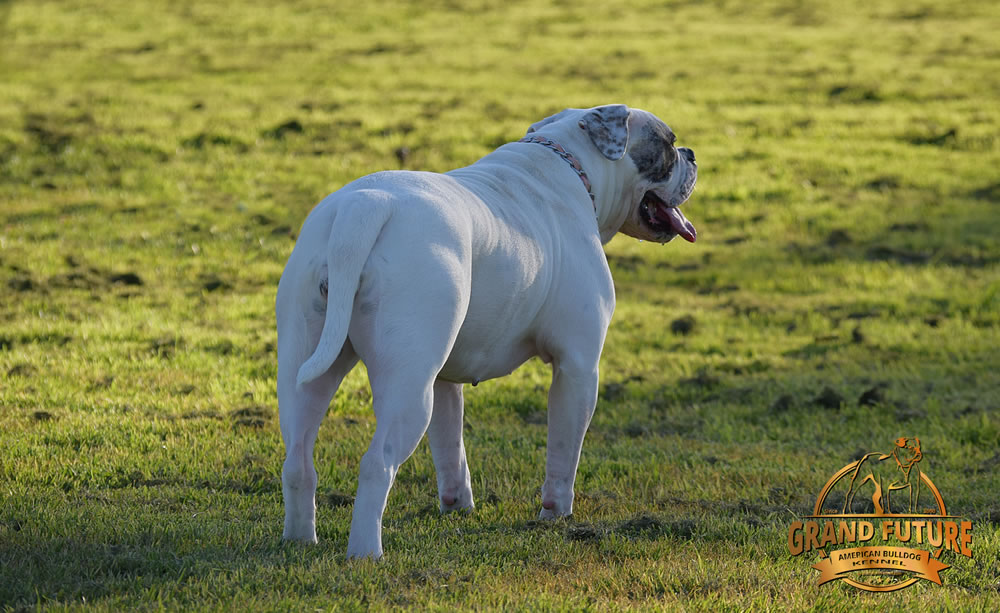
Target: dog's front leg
572, 399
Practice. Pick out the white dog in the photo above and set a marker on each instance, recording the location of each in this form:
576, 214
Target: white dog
437, 280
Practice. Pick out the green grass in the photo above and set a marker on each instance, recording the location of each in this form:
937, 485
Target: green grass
157, 159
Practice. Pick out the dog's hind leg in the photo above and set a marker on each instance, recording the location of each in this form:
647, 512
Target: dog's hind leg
403, 407
301, 409
404, 336
445, 438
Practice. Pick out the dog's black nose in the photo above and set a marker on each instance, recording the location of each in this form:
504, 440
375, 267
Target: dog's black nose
689, 154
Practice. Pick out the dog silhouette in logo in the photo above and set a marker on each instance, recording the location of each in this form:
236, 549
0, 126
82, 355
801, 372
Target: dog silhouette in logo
905, 476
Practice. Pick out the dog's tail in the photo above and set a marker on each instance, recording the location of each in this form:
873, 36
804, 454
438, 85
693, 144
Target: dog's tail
352, 237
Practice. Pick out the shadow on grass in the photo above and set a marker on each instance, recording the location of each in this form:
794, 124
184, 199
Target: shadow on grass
69, 570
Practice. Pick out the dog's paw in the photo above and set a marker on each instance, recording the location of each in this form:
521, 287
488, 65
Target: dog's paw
547, 514
460, 502
552, 514
364, 553
304, 539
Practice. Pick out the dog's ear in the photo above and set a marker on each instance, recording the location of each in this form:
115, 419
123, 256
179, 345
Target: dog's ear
607, 127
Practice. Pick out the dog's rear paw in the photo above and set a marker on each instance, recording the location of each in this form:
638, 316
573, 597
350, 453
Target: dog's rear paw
460, 502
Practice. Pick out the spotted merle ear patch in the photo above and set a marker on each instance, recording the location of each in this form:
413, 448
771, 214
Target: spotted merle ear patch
607, 127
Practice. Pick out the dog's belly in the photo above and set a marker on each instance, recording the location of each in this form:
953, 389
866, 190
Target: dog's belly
472, 363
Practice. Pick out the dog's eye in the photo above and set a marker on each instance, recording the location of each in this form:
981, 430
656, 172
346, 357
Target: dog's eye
671, 157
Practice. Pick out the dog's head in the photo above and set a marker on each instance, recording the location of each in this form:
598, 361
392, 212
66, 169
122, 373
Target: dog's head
662, 175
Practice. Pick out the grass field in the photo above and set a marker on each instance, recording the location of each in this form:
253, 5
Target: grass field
157, 160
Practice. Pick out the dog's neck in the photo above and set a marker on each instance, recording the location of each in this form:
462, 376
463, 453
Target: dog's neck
608, 193
568, 157
612, 197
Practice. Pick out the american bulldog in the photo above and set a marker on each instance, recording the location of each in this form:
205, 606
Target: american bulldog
438, 280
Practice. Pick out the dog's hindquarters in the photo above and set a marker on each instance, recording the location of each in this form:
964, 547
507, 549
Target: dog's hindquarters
313, 312
393, 299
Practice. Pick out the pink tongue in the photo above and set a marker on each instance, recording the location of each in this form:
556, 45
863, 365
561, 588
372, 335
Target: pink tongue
678, 222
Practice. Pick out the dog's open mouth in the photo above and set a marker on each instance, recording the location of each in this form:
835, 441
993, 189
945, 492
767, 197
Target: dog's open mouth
665, 219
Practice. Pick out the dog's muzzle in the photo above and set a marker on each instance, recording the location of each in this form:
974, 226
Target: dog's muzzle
660, 206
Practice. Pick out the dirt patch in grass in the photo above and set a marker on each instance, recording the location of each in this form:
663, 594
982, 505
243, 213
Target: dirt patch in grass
250, 417
829, 398
22, 370
335, 499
